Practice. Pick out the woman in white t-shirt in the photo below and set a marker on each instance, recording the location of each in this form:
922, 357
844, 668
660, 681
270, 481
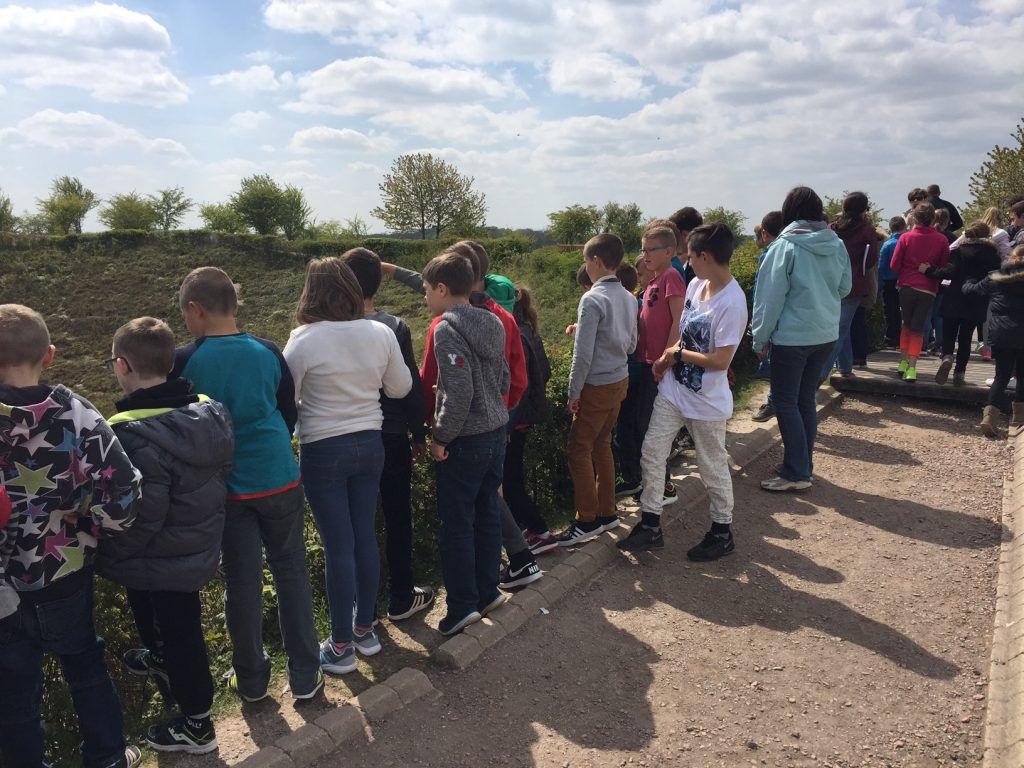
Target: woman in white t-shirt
340, 363
693, 391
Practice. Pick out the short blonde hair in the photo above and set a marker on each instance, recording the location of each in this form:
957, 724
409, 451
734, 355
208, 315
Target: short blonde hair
24, 337
664, 230
210, 288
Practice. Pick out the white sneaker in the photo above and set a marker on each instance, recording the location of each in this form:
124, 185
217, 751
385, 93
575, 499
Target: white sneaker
778, 483
1010, 385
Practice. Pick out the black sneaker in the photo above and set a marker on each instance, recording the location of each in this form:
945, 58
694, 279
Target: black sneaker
519, 577
422, 597
642, 538
669, 495
764, 413
608, 523
145, 663
625, 488
132, 759
711, 547
183, 734
450, 625
580, 532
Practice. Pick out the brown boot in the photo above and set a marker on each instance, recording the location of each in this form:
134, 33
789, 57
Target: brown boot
990, 421
1017, 420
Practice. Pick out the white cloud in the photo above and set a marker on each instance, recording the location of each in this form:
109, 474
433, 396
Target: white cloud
114, 54
323, 138
259, 77
85, 132
471, 124
269, 148
267, 57
248, 120
597, 76
370, 84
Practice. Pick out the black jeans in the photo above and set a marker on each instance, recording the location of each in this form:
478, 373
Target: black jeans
1009, 362
524, 510
170, 625
631, 426
891, 302
395, 501
958, 334
63, 627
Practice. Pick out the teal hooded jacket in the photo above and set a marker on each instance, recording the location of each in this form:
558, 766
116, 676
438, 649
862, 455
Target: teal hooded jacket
800, 285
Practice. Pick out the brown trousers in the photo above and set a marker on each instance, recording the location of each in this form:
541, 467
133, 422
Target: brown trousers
590, 450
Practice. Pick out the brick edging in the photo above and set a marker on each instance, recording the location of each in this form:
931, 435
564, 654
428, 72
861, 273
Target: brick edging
346, 724
1004, 716
595, 556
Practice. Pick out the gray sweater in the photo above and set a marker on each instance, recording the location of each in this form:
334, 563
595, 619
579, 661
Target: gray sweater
605, 335
472, 374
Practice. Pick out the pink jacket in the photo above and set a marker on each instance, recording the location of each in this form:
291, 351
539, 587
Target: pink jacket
921, 245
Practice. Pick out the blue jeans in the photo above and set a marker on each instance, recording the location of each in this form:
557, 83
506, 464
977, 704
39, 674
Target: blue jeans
933, 326
342, 478
470, 534
63, 627
796, 375
842, 350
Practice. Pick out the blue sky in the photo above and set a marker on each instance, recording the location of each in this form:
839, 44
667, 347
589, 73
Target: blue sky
662, 102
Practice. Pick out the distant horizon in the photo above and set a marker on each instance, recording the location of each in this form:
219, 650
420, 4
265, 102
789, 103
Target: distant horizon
664, 103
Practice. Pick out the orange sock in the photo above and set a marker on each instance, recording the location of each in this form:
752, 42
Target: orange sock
905, 339
916, 342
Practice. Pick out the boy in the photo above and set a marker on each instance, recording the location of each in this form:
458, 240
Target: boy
401, 418
522, 568
69, 482
468, 442
771, 227
685, 220
891, 294
694, 391
598, 379
657, 330
265, 506
183, 444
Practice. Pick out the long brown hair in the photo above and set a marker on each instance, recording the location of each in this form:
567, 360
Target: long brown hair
523, 310
331, 292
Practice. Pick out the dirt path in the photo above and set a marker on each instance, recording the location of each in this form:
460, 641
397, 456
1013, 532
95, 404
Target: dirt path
851, 627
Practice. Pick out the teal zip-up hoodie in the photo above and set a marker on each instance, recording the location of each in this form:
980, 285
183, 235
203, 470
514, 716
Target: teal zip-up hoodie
804, 277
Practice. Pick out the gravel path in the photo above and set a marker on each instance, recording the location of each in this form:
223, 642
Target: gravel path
851, 627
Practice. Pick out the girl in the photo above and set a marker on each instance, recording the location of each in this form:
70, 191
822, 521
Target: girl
975, 257
1005, 293
531, 409
340, 363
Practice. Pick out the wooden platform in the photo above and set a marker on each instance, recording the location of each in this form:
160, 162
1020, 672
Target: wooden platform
881, 378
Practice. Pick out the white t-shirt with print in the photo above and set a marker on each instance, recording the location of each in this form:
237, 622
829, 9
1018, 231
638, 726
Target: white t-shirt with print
704, 326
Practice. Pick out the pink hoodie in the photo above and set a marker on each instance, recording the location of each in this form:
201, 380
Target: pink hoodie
921, 245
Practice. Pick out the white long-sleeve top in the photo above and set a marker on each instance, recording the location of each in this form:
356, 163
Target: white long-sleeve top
339, 368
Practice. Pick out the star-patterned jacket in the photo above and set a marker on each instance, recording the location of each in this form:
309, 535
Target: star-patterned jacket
69, 482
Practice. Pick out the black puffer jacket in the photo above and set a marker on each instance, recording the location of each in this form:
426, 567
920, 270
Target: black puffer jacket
972, 260
1005, 292
183, 444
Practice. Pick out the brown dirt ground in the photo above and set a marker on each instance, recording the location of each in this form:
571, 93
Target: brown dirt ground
851, 627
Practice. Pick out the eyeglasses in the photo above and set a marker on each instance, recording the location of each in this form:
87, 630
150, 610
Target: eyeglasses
646, 251
109, 364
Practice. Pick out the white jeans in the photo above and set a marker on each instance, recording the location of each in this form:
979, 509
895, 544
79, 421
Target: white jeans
712, 459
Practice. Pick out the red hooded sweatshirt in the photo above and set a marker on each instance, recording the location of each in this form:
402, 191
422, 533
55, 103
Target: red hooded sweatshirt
514, 355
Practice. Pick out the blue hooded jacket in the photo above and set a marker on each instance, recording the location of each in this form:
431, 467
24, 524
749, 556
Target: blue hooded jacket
885, 257
800, 285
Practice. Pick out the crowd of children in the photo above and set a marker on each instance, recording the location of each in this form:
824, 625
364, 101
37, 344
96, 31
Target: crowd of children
196, 469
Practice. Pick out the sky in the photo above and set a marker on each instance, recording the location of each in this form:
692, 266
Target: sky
664, 103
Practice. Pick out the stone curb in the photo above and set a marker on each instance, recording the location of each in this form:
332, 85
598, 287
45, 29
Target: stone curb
346, 724
1004, 716
587, 561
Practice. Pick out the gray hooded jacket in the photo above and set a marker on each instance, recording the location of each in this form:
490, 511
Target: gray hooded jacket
472, 374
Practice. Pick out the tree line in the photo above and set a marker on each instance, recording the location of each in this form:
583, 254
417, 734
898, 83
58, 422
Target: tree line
420, 195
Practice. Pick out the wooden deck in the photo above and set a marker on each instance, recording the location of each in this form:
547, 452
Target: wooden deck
881, 378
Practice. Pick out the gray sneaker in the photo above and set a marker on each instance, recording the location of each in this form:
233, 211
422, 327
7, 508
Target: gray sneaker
764, 413
780, 484
366, 643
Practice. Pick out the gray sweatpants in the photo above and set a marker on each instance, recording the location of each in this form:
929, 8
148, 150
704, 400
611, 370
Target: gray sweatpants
511, 535
712, 459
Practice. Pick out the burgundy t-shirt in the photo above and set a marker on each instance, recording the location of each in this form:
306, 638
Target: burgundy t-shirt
655, 315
